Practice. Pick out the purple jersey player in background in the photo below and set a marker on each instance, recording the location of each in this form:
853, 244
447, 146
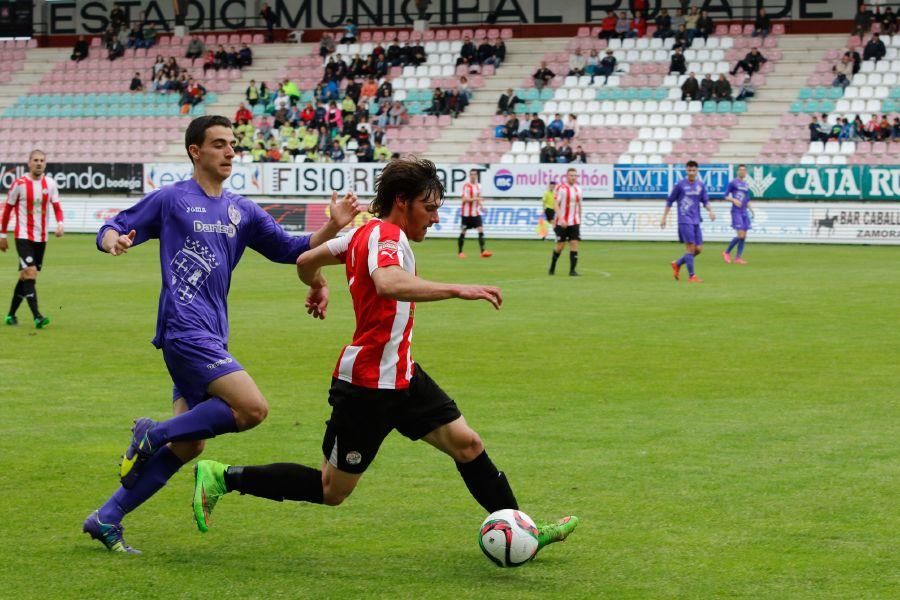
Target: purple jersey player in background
203, 230
738, 193
689, 194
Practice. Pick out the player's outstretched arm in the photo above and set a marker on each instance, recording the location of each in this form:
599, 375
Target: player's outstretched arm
115, 243
341, 213
395, 283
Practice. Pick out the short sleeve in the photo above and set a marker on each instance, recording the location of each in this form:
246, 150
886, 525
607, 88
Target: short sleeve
12, 198
384, 247
674, 195
339, 246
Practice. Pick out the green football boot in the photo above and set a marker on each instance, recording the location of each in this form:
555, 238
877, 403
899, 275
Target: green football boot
12, 320
42, 322
209, 486
550, 533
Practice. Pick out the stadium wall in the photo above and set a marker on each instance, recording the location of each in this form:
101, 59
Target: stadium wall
795, 203
73, 17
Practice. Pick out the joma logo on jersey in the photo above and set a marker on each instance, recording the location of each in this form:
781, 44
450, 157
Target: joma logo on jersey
201, 227
388, 247
195, 209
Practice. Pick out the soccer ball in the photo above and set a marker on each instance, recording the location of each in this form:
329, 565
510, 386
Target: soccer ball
509, 538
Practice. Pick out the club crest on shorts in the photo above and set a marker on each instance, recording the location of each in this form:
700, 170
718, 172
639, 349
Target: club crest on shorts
234, 215
353, 458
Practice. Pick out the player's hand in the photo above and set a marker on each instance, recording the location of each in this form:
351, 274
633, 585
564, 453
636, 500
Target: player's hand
123, 243
343, 211
712, 215
4, 245
662, 223
60, 230
560, 223
482, 292
317, 302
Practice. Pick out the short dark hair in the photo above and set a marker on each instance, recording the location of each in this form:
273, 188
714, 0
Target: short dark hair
742, 165
36, 151
691, 163
571, 169
195, 133
407, 178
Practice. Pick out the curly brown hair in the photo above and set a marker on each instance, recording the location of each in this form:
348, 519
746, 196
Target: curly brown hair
407, 178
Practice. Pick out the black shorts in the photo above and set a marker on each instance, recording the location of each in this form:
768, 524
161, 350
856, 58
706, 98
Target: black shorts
31, 254
567, 234
471, 222
362, 417
550, 213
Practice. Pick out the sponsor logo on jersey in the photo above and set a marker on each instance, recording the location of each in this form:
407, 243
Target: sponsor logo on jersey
195, 209
222, 361
388, 248
217, 227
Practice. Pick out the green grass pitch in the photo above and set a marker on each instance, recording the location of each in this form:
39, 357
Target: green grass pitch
735, 439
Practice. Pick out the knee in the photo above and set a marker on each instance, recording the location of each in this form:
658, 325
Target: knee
468, 448
697, 251
29, 273
333, 497
254, 413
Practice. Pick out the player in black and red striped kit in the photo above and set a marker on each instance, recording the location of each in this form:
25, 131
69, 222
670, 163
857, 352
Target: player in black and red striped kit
470, 214
567, 224
28, 199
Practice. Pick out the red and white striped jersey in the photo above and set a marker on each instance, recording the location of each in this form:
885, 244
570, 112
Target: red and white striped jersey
379, 355
28, 200
568, 203
471, 205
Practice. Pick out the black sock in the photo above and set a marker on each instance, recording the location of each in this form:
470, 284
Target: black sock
573, 260
29, 291
18, 294
278, 481
487, 485
556, 256
461, 241
481, 241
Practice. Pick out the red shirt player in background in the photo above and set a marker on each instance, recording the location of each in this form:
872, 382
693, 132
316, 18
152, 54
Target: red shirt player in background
376, 387
471, 214
567, 224
28, 199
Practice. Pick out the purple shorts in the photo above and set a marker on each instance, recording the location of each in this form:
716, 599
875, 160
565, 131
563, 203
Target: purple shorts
194, 363
740, 221
690, 234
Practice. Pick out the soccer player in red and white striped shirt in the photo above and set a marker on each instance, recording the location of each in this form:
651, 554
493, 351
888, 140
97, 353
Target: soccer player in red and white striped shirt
376, 386
567, 224
470, 214
28, 199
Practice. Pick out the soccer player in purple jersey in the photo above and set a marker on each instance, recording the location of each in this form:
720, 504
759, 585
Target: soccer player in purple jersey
738, 193
689, 194
203, 230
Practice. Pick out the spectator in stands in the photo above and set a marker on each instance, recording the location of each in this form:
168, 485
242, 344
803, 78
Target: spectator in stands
677, 20
591, 64
846, 134
195, 49
209, 60
108, 36
485, 52
380, 152
871, 128
748, 90
116, 49
874, 49
220, 58
369, 89
418, 55
524, 131
862, 22
577, 63
258, 154
663, 25
291, 90
511, 127
158, 65
268, 16
564, 154
193, 93
536, 128
80, 50
231, 58
843, 72
722, 89
468, 54
395, 56
438, 102
245, 56
681, 39
353, 89
548, 152
334, 117
135, 39
677, 64
751, 63
385, 91
607, 66
136, 84
507, 102
855, 58
580, 156
465, 94
690, 89
623, 27
638, 25
571, 128
555, 127
349, 32
859, 129
834, 131
762, 25
148, 33
884, 129
707, 88
705, 25
455, 103
398, 114
326, 44
542, 76
252, 93
895, 130
364, 153
690, 24
336, 153
117, 17
889, 22
638, 6
608, 26
243, 114
816, 134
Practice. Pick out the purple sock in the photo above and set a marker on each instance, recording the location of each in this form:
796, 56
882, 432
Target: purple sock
734, 242
680, 261
740, 248
208, 419
157, 472
689, 261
